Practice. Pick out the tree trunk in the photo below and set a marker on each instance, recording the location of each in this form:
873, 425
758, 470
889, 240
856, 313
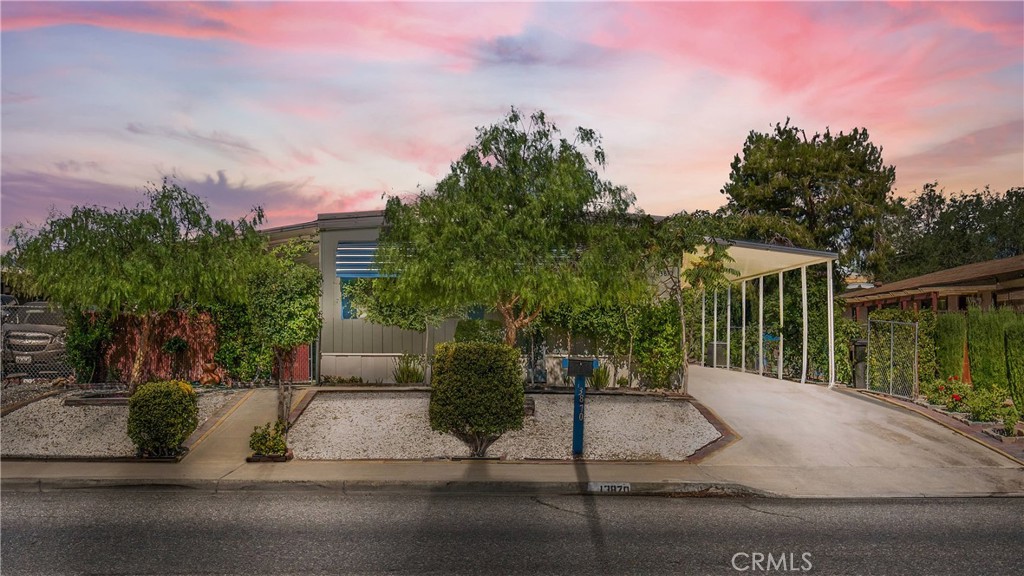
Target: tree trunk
682, 343
135, 378
426, 356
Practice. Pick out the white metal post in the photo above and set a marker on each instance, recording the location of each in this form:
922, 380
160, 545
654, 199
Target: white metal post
743, 333
714, 336
728, 327
760, 325
703, 312
803, 302
831, 331
780, 325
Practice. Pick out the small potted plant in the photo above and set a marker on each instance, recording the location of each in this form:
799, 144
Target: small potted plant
269, 443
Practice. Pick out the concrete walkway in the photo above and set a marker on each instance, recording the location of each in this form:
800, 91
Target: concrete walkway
796, 440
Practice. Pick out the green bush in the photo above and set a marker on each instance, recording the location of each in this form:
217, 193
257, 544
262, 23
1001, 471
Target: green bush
408, 369
269, 440
1009, 416
88, 338
161, 415
957, 393
986, 347
984, 404
657, 358
601, 378
479, 330
476, 392
622, 382
950, 338
1014, 342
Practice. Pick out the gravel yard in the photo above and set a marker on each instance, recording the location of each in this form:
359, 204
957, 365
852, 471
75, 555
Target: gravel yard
381, 425
49, 428
19, 390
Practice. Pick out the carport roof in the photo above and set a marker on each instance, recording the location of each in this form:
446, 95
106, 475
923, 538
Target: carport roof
753, 259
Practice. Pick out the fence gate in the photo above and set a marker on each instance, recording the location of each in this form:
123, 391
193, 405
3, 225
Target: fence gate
892, 358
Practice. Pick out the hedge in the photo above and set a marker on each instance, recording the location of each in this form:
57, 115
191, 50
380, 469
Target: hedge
986, 347
476, 392
950, 339
1014, 340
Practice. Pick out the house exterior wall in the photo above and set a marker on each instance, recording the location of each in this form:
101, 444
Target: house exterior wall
357, 347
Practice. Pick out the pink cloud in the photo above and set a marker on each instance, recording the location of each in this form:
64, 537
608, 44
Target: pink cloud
375, 30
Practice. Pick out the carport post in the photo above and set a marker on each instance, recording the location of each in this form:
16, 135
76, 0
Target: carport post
760, 325
780, 325
703, 312
803, 302
728, 327
831, 332
714, 336
743, 334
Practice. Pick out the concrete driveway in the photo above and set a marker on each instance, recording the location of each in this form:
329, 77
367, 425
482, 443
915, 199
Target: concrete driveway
804, 439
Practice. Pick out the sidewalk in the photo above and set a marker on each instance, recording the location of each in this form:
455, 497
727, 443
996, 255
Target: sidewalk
755, 465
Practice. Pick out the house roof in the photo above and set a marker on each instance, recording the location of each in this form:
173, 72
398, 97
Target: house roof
969, 278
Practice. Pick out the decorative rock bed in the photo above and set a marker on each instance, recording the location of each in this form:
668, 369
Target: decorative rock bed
382, 425
48, 428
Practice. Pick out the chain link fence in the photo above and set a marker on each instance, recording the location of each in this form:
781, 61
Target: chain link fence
33, 343
893, 358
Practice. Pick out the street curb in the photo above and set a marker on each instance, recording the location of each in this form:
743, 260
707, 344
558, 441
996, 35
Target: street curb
666, 489
880, 398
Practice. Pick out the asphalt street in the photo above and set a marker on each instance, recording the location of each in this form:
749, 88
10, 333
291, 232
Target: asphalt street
123, 531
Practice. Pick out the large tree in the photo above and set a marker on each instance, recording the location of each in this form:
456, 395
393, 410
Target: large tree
933, 231
522, 223
165, 254
835, 189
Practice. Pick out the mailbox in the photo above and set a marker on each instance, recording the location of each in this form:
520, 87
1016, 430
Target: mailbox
581, 367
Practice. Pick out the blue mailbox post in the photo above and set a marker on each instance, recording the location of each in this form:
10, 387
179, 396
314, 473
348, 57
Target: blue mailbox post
579, 369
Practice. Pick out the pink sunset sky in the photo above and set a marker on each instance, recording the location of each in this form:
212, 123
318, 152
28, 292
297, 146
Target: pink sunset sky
325, 107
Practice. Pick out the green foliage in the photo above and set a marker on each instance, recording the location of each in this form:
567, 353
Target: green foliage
658, 358
408, 369
601, 378
479, 330
175, 345
88, 337
938, 392
622, 382
950, 338
1014, 339
986, 347
282, 313
832, 189
476, 392
270, 439
162, 415
165, 254
522, 223
341, 380
1009, 416
985, 405
957, 394
933, 231
377, 300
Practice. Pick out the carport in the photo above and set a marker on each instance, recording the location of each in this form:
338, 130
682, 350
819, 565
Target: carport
753, 261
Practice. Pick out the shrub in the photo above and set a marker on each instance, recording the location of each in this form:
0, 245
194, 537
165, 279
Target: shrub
1014, 342
88, 338
601, 378
986, 347
476, 392
479, 330
408, 369
161, 415
984, 404
269, 440
1009, 415
622, 382
950, 337
956, 394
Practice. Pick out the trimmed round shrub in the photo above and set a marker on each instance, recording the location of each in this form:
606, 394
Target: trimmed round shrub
476, 392
161, 415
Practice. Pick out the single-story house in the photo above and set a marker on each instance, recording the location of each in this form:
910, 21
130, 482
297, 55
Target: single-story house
994, 283
353, 347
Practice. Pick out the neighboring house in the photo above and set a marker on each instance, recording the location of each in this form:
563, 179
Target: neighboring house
995, 283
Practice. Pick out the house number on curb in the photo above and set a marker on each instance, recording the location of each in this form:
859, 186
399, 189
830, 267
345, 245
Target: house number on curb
579, 369
609, 487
